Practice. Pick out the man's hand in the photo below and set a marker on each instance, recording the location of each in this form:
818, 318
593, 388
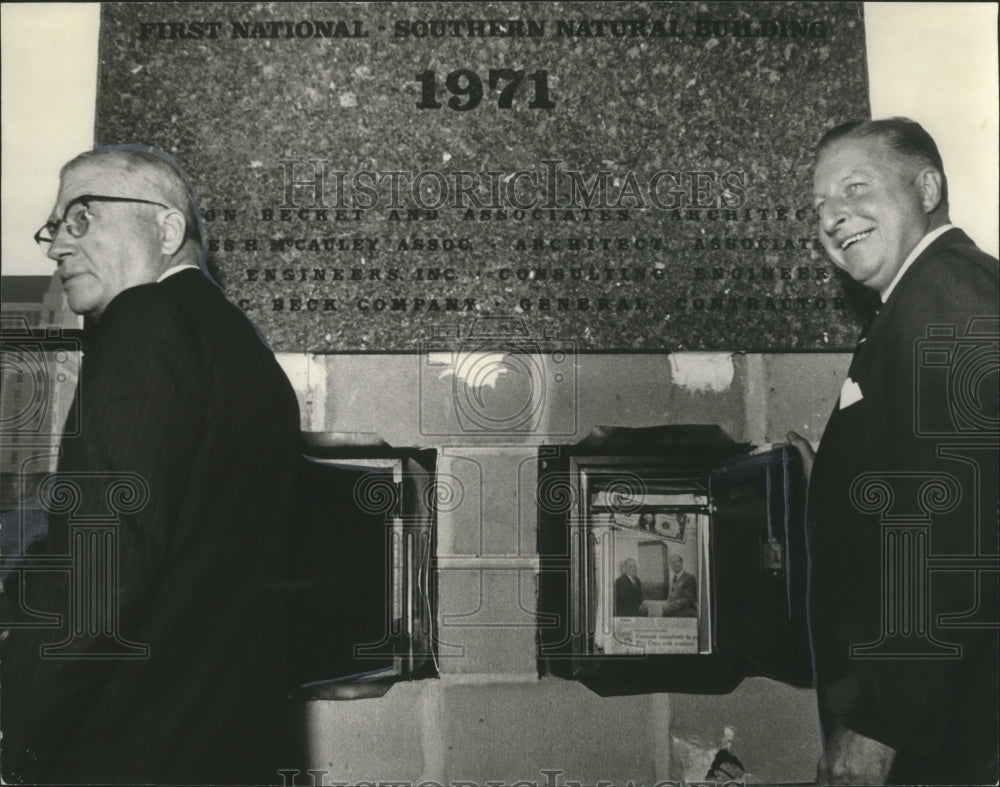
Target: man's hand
850, 758
805, 450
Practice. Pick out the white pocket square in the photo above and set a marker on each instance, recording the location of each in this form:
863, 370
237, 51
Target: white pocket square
850, 393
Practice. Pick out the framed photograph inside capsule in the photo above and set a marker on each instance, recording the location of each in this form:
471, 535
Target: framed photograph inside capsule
649, 550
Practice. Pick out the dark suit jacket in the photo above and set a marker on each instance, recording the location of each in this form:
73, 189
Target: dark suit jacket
938, 711
177, 388
628, 597
682, 596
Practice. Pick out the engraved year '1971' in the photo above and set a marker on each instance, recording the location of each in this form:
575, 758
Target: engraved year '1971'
467, 85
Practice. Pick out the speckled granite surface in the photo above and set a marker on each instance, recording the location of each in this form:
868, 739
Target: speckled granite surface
697, 118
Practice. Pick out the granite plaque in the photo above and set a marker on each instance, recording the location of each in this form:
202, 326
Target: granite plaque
624, 176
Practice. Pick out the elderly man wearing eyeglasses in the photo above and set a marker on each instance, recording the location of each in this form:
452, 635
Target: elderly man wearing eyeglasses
107, 233
175, 674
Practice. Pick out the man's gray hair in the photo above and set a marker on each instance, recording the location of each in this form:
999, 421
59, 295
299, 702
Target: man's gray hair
157, 171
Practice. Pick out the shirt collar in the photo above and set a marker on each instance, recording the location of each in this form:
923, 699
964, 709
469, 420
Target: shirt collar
176, 269
925, 241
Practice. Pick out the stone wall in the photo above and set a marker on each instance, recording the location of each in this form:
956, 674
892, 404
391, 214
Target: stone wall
489, 716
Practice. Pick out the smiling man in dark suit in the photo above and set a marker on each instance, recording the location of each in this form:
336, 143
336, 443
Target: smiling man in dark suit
906, 472
682, 591
183, 406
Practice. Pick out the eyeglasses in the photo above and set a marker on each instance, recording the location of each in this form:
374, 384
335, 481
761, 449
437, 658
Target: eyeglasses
76, 218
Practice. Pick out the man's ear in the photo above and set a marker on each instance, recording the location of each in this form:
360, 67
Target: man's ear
929, 182
173, 227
